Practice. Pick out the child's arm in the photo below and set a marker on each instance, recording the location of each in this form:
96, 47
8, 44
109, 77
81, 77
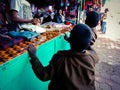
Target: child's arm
43, 73
36, 64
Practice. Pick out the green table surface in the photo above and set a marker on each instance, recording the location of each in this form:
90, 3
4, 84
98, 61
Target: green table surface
17, 74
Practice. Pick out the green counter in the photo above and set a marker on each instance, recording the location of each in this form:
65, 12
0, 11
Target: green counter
17, 74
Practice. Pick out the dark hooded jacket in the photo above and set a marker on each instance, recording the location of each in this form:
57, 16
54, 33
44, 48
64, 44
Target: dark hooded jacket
68, 70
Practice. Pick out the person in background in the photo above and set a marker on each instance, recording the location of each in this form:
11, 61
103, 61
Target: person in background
3, 28
96, 8
72, 69
84, 13
92, 19
49, 16
103, 20
1, 20
2, 13
21, 13
59, 17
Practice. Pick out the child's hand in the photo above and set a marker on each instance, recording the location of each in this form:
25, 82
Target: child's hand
31, 50
66, 37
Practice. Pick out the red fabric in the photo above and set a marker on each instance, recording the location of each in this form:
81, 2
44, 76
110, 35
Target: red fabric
88, 3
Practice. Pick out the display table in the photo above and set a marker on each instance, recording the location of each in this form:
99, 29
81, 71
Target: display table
17, 74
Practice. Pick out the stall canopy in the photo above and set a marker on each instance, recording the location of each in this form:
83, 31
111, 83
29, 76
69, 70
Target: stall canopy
42, 3
58, 3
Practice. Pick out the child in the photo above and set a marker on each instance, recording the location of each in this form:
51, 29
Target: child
92, 20
72, 69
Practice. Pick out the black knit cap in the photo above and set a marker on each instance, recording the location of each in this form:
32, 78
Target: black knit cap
92, 19
80, 36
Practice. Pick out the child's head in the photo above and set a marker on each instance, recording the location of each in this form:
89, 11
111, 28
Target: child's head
60, 11
89, 8
92, 19
80, 37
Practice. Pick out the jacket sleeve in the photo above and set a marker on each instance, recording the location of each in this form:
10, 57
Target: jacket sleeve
43, 73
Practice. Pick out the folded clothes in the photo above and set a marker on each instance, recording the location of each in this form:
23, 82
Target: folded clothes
33, 28
7, 41
3, 30
5, 37
28, 35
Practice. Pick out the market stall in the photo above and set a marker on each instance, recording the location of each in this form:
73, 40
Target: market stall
15, 69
